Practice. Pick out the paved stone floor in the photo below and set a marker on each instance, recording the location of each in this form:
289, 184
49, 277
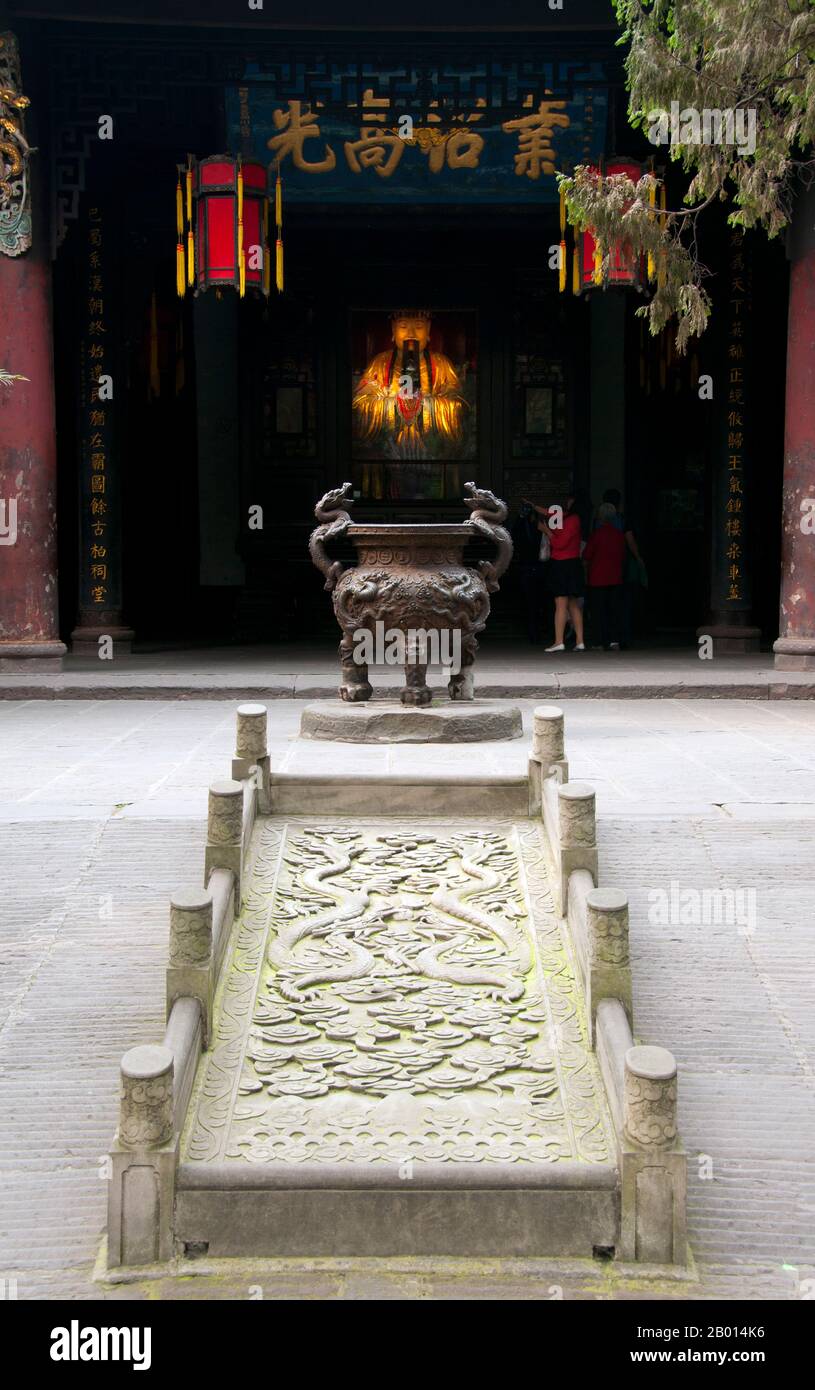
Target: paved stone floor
102, 807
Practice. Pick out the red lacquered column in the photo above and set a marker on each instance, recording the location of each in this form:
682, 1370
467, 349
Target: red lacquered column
795, 647
29, 629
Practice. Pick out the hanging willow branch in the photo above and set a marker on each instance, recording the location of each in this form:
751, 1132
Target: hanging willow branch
753, 58
619, 211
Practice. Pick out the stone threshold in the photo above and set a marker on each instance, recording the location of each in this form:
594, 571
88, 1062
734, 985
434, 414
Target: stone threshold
55, 687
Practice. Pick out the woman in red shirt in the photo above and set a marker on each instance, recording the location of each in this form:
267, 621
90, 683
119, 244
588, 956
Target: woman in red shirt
564, 572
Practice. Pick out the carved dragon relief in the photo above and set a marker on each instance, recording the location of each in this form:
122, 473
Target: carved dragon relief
398, 967
331, 512
15, 198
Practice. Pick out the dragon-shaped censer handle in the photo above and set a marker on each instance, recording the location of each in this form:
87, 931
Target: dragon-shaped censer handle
486, 514
332, 511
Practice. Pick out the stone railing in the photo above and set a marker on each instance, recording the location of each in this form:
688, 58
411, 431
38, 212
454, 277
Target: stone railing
640, 1082
156, 1081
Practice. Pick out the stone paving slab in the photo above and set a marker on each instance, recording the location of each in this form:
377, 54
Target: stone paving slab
83, 989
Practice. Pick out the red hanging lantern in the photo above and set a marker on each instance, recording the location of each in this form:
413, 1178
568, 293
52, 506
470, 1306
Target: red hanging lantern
624, 268
231, 214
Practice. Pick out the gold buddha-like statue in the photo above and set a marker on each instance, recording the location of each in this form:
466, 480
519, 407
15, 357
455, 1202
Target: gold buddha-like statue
409, 393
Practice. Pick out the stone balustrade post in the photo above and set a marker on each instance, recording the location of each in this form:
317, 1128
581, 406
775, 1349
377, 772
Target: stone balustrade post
251, 733
577, 834
190, 972
146, 1098
143, 1160
548, 754
649, 1097
654, 1167
608, 973
547, 738
225, 832
251, 750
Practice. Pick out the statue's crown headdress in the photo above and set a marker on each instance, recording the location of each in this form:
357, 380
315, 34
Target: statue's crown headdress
412, 314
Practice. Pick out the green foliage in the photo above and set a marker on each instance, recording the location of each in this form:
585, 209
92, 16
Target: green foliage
748, 56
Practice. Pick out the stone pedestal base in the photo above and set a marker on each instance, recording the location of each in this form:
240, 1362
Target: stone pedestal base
85, 640
25, 656
794, 653
730, 640
392, 722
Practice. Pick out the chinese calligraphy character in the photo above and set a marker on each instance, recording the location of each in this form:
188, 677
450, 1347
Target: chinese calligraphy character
298, 125
535, 132
375, 149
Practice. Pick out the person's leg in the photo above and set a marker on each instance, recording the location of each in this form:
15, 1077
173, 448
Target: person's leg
626, 606
561, 607
576, 615
615, 613
603, 612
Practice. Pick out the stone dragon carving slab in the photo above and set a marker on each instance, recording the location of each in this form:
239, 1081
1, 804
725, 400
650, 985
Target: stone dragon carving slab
398, 993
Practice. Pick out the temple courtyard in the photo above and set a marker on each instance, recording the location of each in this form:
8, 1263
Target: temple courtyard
705, 817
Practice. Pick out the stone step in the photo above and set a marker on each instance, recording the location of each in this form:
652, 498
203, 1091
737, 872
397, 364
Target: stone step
399, 794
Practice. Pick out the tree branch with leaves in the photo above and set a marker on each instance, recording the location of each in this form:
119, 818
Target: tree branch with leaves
753, 57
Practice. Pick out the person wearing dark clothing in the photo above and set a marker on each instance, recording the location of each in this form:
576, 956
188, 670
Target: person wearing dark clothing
564, 572
604, 557
633, 568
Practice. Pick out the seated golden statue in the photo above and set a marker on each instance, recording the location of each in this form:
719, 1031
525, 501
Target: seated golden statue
409, 393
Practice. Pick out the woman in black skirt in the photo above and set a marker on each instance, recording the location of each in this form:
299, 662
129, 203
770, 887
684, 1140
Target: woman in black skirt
564, 572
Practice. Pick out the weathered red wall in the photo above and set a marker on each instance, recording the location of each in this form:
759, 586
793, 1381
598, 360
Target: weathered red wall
28, 569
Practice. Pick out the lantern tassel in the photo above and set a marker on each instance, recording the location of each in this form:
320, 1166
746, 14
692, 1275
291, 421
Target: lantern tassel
278, 217
598, 264
241, 254
189, 192
179, 209
575, 268
180, 276
267, 254
190, 258
562, 264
